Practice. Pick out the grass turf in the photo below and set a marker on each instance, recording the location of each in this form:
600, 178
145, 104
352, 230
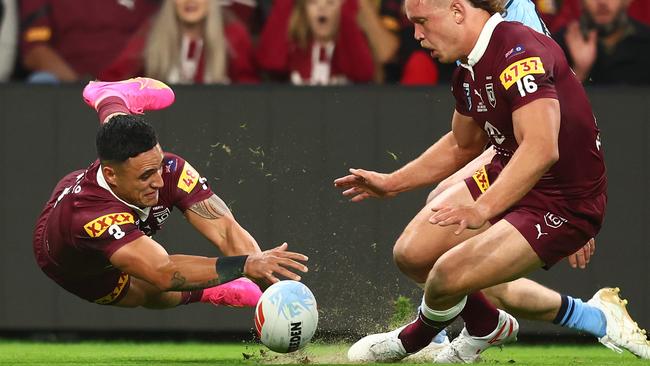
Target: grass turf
196, 354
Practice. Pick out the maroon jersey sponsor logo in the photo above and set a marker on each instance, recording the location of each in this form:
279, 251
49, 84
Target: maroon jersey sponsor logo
518, 70
161, 216
489, 90
517, 50
98, 226
188, 179
468, 95
171, 166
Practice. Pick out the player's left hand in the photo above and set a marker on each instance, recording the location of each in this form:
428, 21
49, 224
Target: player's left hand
581, 258
466, 217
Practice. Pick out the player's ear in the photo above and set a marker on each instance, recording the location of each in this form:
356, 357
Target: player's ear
458, 11
109, 174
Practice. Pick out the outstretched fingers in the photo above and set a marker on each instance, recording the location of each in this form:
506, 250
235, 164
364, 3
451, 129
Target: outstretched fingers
349, 180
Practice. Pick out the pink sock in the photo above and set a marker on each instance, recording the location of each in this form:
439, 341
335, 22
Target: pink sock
480, 316
241, 292
110, 105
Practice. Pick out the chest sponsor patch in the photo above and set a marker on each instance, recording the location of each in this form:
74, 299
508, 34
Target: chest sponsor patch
171, 165
98, 226
189, 178
161, 216
518, 69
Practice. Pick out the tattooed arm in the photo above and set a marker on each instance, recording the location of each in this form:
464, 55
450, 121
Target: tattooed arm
144, 258
213, 219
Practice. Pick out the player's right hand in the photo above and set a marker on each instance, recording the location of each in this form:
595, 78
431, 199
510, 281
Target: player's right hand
267, 265
362, 184
581, 258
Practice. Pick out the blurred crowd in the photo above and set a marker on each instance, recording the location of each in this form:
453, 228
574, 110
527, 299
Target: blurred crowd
303, 42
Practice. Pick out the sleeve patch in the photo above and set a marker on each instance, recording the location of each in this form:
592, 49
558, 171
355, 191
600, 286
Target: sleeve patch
98, 226
38, 34
188, 178
518, 69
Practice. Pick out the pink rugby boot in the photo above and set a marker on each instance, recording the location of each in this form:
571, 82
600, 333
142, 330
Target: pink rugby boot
139, 94
241, 292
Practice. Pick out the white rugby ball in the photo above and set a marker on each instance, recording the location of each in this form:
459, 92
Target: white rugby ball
286, 316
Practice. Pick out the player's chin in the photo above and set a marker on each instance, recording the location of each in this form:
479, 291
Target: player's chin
150, 199
443, 59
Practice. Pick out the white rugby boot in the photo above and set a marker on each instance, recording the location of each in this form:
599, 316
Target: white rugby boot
381, 347
429, 353
622, 332
467, 349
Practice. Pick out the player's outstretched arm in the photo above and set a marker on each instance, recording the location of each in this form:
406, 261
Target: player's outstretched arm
146, 259
213, 219
361, 184
438, 162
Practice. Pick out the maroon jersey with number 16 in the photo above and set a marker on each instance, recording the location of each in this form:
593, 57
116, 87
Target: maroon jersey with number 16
511, 66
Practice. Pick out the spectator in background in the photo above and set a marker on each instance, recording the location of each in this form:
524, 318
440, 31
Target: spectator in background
315, 42
8, 38
379, 20
244, 10
569, 10
606, 46
71, 40
190, 41
547, 9
640, 11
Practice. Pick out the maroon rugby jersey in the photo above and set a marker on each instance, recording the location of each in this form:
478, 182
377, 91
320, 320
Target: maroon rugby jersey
87, 223
510, 66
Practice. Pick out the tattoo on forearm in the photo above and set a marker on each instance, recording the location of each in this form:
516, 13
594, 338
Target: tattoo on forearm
177, 280
179, 283
211, 208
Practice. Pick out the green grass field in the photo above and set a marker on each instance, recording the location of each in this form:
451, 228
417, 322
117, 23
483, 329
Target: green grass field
198, 354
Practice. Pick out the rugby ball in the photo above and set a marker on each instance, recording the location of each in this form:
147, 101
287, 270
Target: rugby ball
286, 316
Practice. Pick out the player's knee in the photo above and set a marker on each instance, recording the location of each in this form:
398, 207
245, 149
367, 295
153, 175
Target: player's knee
444, 280
409, 261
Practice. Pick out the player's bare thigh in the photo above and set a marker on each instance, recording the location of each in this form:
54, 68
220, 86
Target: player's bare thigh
422, 243
466, 171
497, 255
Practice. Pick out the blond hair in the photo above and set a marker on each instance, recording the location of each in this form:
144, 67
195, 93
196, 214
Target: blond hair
162, 52
299, 30
491, 6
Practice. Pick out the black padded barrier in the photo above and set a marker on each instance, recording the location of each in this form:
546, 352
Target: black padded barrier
272, 152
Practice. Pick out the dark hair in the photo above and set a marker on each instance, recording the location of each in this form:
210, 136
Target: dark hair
124, 136
491, 6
